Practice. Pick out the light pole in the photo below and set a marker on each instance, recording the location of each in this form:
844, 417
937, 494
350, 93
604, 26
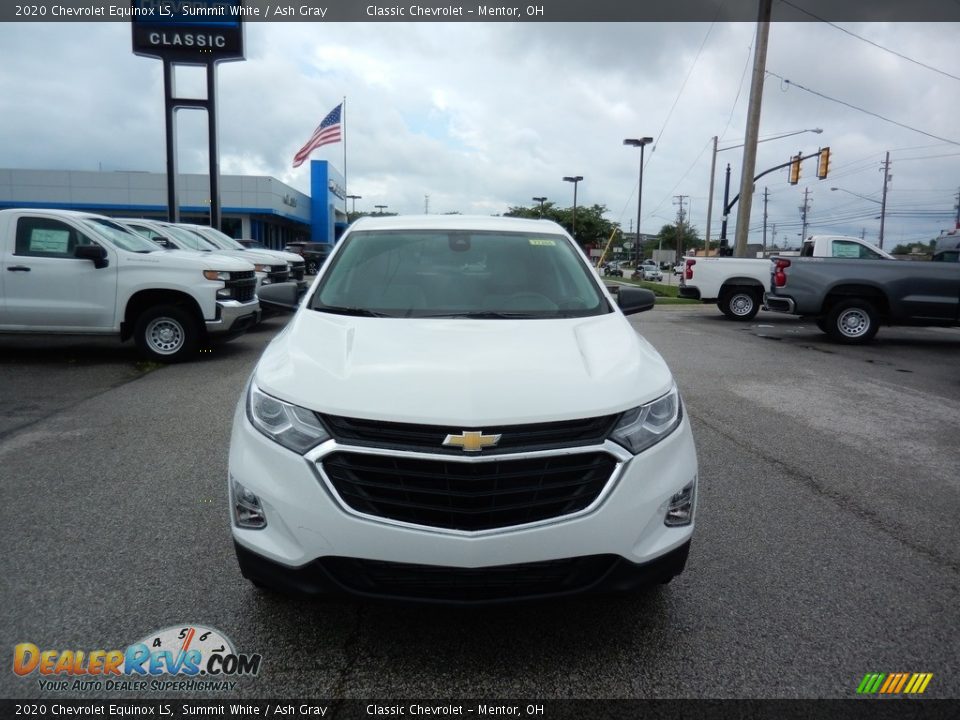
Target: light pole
713, 166
574, 179
381, 208
883, 208
640, 143
540, 200
354, 198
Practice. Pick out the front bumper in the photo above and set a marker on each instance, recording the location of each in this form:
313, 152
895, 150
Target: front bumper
689, 292
778, 303
310, 530
234, 317
406, 582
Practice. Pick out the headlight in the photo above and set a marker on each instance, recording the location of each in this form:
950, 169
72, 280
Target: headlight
262, 268
293, 427
648, 424
216, 275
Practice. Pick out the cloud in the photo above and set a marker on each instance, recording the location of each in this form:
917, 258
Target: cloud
482, 116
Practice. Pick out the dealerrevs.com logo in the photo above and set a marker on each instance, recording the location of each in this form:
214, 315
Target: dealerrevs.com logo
180, 657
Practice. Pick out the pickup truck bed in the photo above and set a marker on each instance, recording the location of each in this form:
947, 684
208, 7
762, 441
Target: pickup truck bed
850, 299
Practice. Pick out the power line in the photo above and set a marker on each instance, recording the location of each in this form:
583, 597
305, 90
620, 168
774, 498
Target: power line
680, 91
868, 112
743, 75
871, 42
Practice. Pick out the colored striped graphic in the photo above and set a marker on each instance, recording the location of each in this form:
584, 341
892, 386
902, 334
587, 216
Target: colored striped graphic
894, 683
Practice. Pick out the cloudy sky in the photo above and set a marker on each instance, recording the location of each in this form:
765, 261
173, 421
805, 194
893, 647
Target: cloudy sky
480, 117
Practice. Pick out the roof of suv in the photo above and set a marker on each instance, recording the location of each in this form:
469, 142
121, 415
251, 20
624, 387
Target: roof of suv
456, 222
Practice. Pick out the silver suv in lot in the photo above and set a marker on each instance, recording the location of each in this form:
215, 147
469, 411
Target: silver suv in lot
460, 411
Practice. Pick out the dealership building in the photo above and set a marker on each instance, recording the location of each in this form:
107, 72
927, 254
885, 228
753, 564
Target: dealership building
254, 207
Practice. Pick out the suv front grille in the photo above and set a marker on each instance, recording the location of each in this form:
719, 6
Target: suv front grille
243, 285
468, 496
297, 270
278, 274
513, 438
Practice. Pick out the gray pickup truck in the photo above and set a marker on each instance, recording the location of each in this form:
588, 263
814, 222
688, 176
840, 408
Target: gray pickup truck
849, 299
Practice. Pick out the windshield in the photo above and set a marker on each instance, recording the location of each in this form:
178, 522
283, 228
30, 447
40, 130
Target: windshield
121, 237
189, 239
457, 273
220, 239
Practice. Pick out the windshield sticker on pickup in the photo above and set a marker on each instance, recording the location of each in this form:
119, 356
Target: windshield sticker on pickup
49, 241
540, 241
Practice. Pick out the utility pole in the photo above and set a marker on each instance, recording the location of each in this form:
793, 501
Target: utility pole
713, 170
766, 195
679, 250
863, 233
957, 226
804, 209
426, 204
773, 236
883, 202
753, 127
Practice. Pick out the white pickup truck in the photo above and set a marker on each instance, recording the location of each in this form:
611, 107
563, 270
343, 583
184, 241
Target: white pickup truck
65, 272
737, 285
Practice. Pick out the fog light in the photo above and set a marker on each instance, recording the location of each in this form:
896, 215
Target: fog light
247, 511
680, 509
225, 293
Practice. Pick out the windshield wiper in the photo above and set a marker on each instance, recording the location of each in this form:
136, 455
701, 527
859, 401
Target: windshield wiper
481, 315
355, 311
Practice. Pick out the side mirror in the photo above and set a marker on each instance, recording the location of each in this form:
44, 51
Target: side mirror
92, 252
282, 297
633, 300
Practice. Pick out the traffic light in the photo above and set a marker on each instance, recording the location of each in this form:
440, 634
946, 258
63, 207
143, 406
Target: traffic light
795, 169
824, 167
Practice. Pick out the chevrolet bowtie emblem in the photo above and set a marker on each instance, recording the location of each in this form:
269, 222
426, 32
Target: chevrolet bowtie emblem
471, 440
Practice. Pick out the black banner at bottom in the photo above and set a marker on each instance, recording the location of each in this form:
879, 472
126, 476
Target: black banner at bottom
175, 709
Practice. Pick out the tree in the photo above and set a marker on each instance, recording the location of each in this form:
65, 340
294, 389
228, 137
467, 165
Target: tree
668, 236
592, 227
917, 247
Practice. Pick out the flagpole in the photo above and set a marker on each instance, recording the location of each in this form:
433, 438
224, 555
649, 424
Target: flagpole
345, 190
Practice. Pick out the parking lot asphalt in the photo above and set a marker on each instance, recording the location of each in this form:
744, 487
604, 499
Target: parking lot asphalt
826, 546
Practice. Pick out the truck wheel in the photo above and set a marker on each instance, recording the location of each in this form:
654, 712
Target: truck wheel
740, 303
167, 334
852, 321
312, 267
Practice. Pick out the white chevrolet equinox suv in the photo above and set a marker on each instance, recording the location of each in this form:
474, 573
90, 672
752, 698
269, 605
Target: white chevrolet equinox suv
459, 411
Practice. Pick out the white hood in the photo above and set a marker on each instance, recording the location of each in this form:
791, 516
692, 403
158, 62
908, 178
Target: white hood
462, 372
186, 259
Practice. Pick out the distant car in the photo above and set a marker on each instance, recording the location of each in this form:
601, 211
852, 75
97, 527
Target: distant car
678, 269
612, 269
314, 254
648, 272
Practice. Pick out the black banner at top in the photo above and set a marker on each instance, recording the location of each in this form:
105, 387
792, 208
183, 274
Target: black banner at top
227, 16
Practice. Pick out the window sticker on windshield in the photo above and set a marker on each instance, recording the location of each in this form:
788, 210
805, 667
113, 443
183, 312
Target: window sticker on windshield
49, 241
540, 241
846, 250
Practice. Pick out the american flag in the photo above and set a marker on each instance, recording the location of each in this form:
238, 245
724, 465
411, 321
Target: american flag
328, 131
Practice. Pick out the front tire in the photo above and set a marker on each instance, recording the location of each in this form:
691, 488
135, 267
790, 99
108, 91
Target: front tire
853, 322
740, 303
167, 334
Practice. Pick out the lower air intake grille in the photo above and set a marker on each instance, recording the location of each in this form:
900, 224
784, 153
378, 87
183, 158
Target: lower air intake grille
504, 582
